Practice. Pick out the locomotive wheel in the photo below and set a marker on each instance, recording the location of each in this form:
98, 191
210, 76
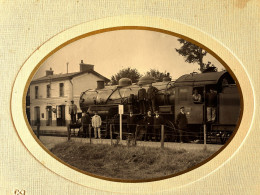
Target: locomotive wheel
171, 133
224, 137
140, 132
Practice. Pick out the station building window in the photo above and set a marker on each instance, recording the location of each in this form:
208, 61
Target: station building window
36, 91
61, 89
48, 88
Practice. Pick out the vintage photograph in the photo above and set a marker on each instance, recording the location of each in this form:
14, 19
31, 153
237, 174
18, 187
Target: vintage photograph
133, 104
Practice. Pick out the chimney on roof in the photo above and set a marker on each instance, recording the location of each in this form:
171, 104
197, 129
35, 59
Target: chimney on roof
100, 84
85, 67
49, 72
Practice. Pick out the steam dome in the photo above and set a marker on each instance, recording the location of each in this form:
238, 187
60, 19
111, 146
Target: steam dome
124, 82
146, 80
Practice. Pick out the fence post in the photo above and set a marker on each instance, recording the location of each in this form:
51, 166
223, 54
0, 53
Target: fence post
89, 130
205, 134
69, 131
135, 135
111, 138
162, 136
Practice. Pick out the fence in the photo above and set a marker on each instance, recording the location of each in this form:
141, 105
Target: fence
157, 133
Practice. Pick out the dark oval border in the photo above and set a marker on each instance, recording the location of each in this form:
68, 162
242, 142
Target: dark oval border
129, 28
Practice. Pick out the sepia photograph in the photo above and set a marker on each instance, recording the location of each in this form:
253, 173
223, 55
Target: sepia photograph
133, 105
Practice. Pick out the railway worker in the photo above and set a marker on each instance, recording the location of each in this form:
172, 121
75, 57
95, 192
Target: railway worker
211, 103
151, 94
85, 121
73, 112
158, 121
148, 120
141, 97
196, 96
182, 123
131, 123
96, 123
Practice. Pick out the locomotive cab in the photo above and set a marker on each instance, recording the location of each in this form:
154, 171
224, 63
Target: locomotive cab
192, 92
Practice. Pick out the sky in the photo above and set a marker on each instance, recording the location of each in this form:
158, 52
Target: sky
112, 51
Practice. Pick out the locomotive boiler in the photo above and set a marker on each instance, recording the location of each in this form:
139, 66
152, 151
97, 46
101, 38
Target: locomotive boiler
170, 97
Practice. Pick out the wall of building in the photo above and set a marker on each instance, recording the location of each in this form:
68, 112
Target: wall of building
54, 100
82, 83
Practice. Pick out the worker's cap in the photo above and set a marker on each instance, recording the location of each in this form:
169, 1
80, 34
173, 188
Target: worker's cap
182, 107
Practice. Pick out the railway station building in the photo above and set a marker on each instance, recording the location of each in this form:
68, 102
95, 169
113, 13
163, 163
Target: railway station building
51, 95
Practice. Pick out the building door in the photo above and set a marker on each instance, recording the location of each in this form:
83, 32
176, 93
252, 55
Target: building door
49, 115
61, 115
37, 115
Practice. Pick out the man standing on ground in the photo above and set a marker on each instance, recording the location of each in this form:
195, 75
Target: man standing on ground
96, 123
131, 123
73, 112
157, 121
148, 120
182, 123
85, 120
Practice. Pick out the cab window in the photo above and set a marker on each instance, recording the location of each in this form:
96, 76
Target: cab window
197, 95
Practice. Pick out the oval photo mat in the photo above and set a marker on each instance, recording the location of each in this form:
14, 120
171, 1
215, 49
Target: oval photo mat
153, 34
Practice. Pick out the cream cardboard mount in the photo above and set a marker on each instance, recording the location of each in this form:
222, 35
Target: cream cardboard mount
87, 29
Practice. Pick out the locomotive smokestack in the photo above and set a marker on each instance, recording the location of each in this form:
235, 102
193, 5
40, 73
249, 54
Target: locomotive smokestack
100, 84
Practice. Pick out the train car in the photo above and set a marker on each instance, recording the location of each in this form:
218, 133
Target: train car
170, 97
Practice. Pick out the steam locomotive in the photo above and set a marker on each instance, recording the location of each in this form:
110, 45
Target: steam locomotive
170, 97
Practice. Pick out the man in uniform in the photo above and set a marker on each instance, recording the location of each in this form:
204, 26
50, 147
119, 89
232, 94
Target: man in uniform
148, 120
73, 112
96, 123
157, 121
151, 94
182, 123
141, 97
85, 121
131, 123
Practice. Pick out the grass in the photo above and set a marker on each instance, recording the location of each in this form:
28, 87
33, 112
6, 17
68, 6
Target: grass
131, 163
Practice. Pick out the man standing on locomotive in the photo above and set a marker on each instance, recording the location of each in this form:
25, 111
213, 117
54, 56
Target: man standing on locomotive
73, 112
151, 94
96, 123
182, 124
141, 97
211, 102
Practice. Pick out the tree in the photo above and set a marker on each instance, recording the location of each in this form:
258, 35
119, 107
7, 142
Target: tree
194, 54
130, 73
157, 74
